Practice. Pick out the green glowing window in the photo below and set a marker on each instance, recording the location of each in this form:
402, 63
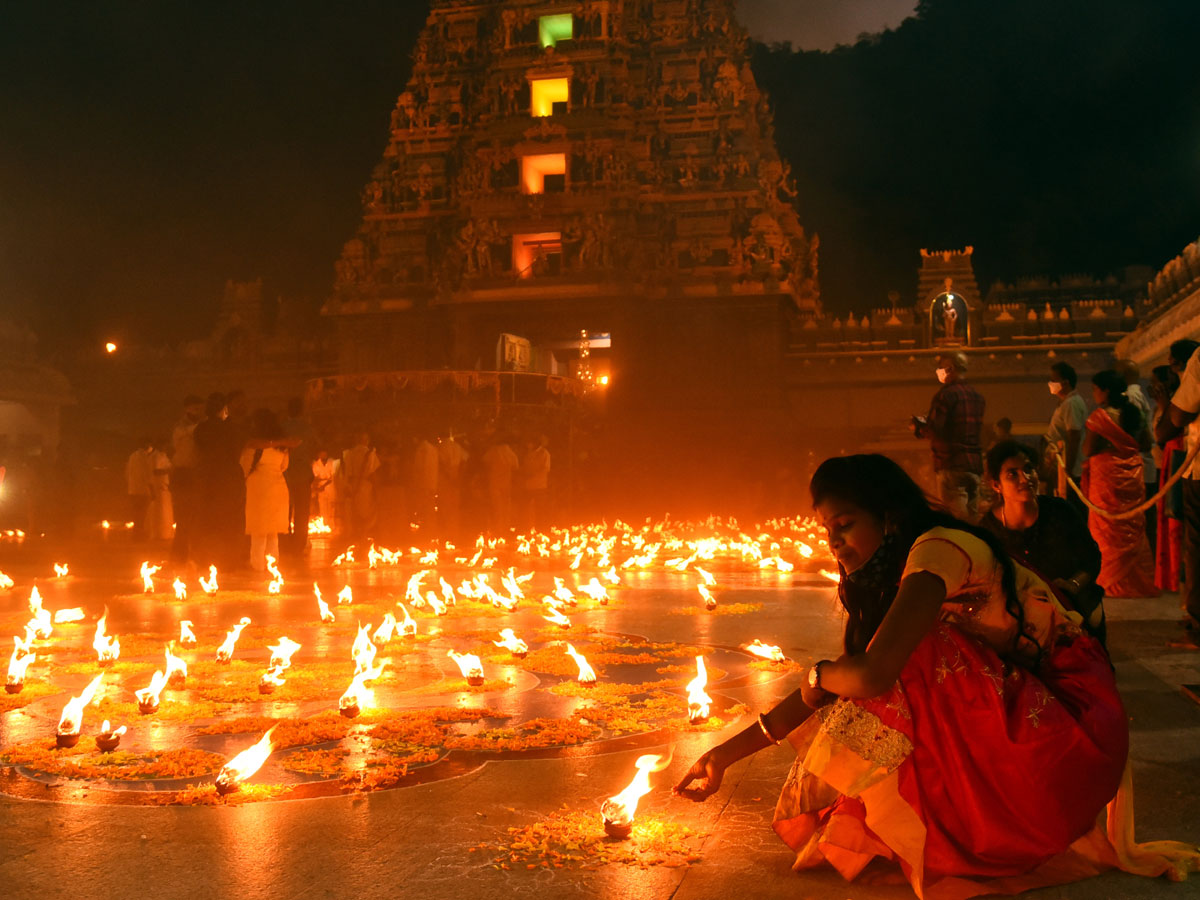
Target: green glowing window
552, 29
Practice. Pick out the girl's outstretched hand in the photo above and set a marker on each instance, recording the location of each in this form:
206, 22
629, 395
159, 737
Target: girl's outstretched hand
706, 773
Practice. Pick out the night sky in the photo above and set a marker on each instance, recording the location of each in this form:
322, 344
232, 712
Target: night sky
151, 150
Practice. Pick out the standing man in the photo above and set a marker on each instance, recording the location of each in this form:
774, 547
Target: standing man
1185, 406
452, 460
139, 483
299, 474
424, 482
535, 481
360, 464
184, 486
1065, 432
1129, 370
953, 428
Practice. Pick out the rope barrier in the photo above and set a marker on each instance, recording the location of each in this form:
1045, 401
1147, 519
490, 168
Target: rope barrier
1141, 507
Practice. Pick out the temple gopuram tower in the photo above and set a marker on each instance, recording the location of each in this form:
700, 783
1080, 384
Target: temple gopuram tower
605, 166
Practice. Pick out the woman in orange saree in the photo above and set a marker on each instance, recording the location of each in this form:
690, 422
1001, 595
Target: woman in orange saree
1116, 436
972, 733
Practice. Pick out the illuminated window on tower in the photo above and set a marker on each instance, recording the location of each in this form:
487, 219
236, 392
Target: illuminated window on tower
545, 173
549, 96
552, 29
537, 254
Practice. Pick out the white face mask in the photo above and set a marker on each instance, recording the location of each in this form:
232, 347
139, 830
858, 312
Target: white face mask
1055, 387
943, 375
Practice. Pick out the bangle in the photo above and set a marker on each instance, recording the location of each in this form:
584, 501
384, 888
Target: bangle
762, 723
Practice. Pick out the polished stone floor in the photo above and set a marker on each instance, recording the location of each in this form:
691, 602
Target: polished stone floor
419, 841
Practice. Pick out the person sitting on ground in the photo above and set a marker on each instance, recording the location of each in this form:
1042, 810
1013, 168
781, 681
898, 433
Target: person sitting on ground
1044, 533
972, 731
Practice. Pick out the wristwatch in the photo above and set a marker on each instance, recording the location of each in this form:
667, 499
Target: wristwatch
814, 674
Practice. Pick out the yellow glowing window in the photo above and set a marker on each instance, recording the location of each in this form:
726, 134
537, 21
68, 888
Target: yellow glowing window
552, 29
537, 254
546, 92
534, 170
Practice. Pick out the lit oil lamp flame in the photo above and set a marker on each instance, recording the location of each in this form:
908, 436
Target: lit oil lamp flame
225, 651
186, 635
149, 697
447, 593
699, 703
594, 590
470, 665
509, 580
587, 675
147, 572
209, 585
710, 602
363, 650
282, 652
510, 642
408, 625
61, 570
345, 595
67, 616
344, 558
108, 649
18, 663
322, 607
434, 602
562, 592
180, 588
176, 667
387, 629
429, 559
611, 576
41, 624
358, 696
277, 582
244, 765
317, 525
619, 811
554, 616
271, 679
835, 577
766, 651
412, 592
6, 583
109, 737
709, 580
71, 721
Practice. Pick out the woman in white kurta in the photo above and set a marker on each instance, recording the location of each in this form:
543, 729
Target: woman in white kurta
266, 490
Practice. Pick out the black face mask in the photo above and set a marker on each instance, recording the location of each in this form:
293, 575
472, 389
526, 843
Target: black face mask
882, 568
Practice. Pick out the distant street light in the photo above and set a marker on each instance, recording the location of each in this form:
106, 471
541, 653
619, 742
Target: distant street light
110, 347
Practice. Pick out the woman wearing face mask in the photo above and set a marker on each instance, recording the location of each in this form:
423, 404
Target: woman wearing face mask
971, 731
1044, 533
1117, 433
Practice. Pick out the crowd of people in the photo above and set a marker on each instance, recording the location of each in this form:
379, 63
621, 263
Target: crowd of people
230, 487
1076, 493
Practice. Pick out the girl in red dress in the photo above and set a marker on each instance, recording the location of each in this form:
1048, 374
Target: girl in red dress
971, 732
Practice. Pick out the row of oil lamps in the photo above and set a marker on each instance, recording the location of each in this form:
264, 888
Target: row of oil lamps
618, 811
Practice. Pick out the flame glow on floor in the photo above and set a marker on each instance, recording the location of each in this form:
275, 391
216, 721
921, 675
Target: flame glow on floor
383, 668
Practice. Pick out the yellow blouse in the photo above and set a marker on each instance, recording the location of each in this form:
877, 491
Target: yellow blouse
975, 600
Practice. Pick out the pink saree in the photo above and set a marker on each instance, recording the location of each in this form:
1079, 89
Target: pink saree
1113, 482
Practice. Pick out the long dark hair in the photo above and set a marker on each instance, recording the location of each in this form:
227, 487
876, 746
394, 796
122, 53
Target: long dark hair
879, 486
1129, 417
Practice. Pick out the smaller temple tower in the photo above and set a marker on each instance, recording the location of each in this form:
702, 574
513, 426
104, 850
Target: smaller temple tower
948, 299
